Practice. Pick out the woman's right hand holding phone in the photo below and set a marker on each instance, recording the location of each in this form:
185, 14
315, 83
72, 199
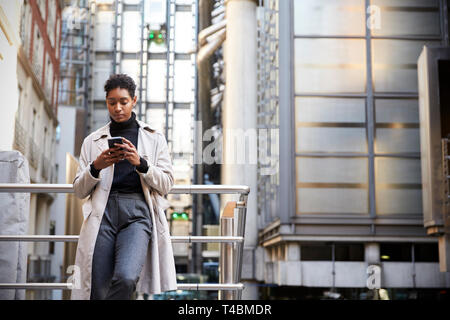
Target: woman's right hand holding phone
108, 157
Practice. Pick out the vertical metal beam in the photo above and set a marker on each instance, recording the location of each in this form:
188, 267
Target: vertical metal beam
91, 63
333, 270
197, 178
226, 263
141, 60
170, 61
443, 11
116, 20
287, 191
370, 118
242, 218
86, 28
413, 259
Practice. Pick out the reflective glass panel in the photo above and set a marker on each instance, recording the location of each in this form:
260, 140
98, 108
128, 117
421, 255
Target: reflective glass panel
332, 200
329, 17
329, 110
331, 139
395, 64
327, 169
397, 110
397, 140
330, 65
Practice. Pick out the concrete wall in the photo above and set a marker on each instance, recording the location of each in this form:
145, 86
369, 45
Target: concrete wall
353, 274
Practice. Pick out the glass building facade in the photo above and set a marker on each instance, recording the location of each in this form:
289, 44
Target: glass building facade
357, 145
349, 130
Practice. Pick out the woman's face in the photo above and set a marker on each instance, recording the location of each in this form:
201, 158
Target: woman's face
120, 104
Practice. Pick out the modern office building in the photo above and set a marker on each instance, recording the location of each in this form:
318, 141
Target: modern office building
348, 194
34, 30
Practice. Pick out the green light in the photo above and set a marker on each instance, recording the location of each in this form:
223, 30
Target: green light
160, 36
152, 35
180, 215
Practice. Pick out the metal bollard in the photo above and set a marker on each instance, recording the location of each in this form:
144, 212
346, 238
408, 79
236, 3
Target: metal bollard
226, 261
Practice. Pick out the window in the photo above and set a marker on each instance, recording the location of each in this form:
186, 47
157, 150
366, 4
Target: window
41, 5
349, 252
426, 252
57, 36
58, 133
103, 30
395, 252
55, 92
49, 78
20, 106
324, 252
51, 22
156, 12
51, 249
315, 252
183, 32
156, 81
183, 81
44, 148
33, 123
25, 26
38, 53
131, 29
403, 252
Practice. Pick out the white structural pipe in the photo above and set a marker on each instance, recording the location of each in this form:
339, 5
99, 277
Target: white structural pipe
205, 33
214, 42
240, 112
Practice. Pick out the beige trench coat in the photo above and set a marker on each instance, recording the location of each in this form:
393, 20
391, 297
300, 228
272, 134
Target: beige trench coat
158, 273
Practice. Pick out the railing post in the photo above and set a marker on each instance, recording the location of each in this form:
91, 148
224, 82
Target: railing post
242, 216
226, 263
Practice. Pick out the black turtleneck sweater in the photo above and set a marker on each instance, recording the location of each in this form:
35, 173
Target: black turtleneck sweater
126, 179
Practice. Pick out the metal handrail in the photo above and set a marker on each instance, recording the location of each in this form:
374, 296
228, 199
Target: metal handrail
69, 286
74, 238
238, 240
68, 188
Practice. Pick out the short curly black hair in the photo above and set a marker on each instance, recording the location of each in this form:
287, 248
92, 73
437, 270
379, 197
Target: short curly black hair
122, 81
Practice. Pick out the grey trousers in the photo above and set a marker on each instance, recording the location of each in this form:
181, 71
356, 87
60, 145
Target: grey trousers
121, 246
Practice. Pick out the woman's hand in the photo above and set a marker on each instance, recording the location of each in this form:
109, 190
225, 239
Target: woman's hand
129, 152
107, 158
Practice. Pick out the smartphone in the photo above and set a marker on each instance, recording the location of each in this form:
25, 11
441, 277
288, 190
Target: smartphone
113, 140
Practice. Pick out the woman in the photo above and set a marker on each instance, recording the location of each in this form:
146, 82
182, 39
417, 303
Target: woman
124, 243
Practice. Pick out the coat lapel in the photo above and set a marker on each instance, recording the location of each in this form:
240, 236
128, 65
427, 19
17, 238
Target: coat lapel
101, 138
